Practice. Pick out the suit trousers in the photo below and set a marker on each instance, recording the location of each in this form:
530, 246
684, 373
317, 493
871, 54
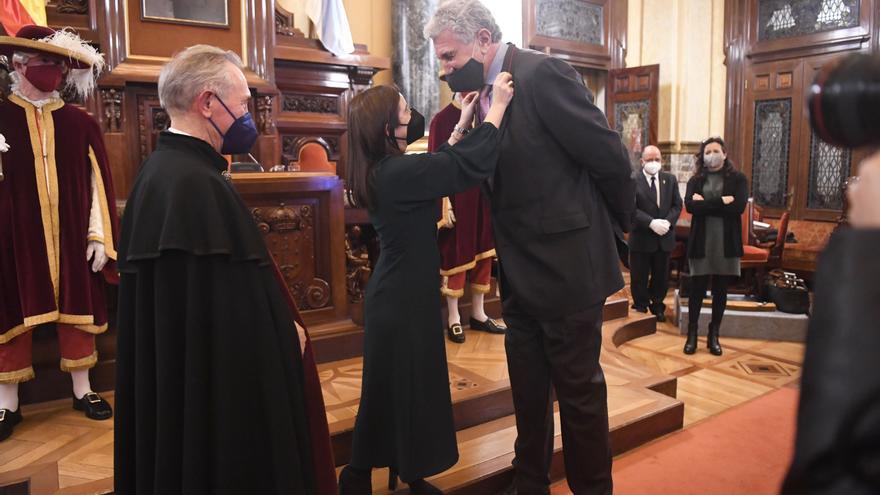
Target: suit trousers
564, 354
649, 278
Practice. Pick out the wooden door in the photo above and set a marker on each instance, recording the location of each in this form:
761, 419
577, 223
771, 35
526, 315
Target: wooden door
773, 116
631, 107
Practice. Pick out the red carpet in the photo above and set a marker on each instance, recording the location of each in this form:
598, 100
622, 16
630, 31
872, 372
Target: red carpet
744, 450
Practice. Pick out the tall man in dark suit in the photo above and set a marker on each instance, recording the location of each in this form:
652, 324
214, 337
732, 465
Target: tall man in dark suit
562, 179
658, 205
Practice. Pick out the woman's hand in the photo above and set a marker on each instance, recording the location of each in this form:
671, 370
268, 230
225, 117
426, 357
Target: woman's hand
502, 94
697, 197
502, 89
468, 106
727, 199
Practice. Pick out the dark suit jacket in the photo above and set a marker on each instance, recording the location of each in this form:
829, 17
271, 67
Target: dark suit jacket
642, 239
562, 176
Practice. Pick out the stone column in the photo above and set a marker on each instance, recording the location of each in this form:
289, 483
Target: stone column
414, 65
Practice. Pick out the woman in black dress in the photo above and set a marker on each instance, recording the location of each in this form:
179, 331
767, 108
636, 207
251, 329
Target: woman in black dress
716, 196
404, 419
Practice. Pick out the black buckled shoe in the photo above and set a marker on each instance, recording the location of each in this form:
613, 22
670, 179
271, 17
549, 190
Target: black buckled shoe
94, 406
489, 325
455, 333
8, 420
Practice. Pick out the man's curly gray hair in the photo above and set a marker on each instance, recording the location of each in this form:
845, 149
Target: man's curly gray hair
464, 18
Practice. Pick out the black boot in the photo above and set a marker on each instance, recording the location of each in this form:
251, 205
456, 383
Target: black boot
712, 341
353, 481
690, 346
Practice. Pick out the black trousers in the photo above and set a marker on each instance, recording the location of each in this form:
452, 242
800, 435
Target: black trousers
649, 279
699, 284
563, 353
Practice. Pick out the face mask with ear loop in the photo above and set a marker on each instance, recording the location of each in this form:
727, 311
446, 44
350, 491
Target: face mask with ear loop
415, 128
469, 78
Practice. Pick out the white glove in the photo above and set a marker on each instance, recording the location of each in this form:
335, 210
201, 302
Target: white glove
302, 337
96, 254
659, 226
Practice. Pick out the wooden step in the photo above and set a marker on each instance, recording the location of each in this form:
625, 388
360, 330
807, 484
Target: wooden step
476, 398
486, 450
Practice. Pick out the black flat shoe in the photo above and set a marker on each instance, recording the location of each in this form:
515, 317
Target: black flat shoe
94, 406
355, 482
422, 487
8, 420
455, 333
639, 309
489, 325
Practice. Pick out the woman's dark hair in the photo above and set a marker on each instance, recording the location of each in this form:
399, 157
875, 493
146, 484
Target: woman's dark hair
371, 114
700, 169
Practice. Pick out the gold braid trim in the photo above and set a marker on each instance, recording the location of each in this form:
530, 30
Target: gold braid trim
42, 190
468, 266
109, 248
49, 126
451, 293
481, 289
93, 329
10, 377
85, 363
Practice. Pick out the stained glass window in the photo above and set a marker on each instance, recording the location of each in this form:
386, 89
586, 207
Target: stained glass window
787, 18
631, 121
770, 152
829, 168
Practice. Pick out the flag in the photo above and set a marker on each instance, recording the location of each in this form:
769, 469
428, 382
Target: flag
331, 24
17, 13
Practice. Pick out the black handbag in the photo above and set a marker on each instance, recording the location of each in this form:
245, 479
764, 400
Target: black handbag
788, 292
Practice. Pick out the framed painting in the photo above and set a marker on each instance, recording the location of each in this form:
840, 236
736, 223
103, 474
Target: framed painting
200, 12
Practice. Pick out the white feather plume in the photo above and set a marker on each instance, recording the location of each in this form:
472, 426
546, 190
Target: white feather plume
82, 81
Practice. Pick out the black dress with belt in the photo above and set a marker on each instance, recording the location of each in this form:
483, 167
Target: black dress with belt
405, 414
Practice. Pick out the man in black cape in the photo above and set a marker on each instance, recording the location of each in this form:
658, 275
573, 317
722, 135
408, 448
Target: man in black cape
215, 392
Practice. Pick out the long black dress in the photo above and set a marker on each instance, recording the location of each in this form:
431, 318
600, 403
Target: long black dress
405, 414
211, 390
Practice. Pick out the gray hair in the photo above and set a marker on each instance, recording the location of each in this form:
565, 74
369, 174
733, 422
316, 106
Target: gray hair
465, 18
192, 71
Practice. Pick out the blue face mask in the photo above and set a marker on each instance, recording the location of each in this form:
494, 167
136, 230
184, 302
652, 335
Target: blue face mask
241, 135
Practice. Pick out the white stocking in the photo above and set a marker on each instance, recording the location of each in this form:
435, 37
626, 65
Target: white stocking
9, 396
81, 384
452, 305
478, 310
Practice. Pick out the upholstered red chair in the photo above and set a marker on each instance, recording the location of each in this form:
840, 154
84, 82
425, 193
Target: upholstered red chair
758, 259
313, 158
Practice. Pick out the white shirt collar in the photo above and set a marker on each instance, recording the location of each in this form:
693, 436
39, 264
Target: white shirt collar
178, 131
497, 64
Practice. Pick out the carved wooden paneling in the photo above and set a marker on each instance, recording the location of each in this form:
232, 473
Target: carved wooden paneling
152, 119
773, 49
631, 106
265, 114
289, 231
306, 103
111, 100
73, 7
301, 218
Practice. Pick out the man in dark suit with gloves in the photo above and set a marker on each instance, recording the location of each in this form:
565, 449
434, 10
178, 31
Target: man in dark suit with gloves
658, 205
562, 180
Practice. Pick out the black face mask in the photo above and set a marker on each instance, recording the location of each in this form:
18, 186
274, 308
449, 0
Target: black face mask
468, 78
415, 129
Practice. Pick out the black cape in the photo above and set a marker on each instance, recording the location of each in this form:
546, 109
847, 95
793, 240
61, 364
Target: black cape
210, 381
837, 449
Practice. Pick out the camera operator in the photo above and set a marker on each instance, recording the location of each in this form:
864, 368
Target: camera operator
837, 450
